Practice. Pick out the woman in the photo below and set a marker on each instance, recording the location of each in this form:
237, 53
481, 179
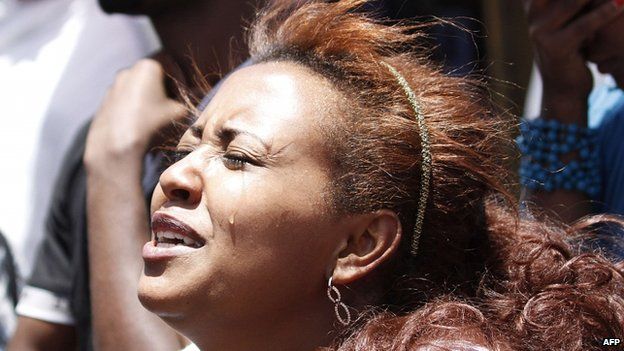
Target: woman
342, 193
566, 37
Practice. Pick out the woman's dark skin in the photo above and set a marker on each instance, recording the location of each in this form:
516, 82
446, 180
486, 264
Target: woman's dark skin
252, 185
566, 36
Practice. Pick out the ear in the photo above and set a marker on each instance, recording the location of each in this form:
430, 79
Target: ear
374, 239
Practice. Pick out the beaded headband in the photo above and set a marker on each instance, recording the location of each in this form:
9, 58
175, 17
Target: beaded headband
423, 131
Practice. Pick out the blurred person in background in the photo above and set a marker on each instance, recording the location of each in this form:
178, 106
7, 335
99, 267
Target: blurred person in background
8, 291
458, 45
56, 61
194, 34
573, 153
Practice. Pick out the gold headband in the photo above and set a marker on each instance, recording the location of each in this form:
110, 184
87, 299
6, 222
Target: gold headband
423, 131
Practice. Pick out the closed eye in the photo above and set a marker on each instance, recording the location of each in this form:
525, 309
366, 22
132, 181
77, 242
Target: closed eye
237, 161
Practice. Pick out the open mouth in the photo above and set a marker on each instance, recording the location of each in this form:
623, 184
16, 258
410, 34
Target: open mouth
171, 238
167, 239
171, 233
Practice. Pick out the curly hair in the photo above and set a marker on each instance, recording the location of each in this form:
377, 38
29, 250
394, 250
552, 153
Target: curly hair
484, 276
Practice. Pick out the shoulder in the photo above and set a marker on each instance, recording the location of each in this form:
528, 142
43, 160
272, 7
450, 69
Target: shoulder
605, 103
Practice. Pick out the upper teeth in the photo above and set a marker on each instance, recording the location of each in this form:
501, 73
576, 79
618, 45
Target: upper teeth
173, 236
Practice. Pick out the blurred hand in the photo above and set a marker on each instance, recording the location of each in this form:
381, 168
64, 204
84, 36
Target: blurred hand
559, 30
135, 110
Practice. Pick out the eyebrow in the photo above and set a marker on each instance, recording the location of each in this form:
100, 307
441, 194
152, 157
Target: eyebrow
229, 133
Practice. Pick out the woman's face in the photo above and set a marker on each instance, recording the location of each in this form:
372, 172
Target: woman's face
606, 48
248, 204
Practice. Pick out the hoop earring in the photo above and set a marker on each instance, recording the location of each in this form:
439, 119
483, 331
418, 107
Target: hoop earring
336, 298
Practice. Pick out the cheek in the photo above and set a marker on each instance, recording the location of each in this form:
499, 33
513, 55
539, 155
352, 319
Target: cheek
273, 248
158, 199
268, 220
264, 197
243, 204
226, 195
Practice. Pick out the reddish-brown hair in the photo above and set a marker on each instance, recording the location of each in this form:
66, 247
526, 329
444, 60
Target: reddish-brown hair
483, 274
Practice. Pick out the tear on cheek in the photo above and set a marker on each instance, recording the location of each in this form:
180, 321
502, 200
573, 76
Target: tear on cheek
238, 203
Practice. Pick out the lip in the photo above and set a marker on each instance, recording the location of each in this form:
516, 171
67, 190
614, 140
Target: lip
162, 222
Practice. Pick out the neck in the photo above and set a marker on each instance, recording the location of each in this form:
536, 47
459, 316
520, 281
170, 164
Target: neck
204, 35
306, 329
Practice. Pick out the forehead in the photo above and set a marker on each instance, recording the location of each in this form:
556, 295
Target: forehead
271, 97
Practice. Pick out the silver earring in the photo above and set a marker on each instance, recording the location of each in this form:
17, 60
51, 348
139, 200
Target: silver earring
340, 309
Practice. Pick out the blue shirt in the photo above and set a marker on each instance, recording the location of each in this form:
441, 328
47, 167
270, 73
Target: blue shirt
606, 115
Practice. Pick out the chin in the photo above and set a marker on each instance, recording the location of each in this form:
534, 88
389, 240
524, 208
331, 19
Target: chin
160, 297
182, 308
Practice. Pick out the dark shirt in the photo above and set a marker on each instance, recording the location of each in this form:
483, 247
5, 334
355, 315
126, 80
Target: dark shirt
8, 291
62, 265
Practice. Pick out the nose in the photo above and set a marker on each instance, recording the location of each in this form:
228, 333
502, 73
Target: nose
181, 182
